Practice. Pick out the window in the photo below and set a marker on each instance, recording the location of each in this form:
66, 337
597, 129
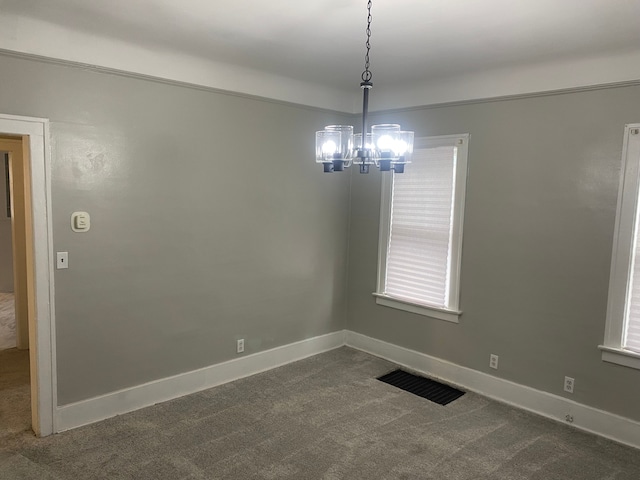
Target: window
622, 335
421, 230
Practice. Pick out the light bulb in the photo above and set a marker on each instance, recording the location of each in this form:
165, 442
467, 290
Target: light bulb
400, 147
385, 142
329, 147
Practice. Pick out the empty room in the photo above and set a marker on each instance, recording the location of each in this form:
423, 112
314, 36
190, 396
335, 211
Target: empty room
319, 240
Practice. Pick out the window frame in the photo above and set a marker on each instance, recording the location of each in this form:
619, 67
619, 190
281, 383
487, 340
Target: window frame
622, 255
452, 312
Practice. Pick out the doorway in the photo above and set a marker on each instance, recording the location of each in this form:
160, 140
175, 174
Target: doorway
16, 302
26, 140
7, 307
19, 200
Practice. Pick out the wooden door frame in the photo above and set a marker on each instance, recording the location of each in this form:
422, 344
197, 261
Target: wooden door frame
42, 352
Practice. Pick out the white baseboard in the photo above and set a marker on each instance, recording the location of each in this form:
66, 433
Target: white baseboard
130, 399
586, 418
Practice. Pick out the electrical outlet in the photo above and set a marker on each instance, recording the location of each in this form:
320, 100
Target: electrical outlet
240, 345
493, 361
568, 384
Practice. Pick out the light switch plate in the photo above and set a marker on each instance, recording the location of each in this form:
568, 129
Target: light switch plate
62, 260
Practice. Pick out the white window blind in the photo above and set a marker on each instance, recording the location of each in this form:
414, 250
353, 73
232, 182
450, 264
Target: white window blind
418, 264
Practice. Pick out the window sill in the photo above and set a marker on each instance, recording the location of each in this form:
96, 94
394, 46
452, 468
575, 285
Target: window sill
408, 306
620, 356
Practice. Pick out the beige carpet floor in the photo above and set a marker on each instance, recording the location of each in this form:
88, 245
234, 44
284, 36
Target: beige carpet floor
326, 417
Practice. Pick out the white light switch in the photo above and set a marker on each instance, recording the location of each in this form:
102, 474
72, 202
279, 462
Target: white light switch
63, 260
80, 222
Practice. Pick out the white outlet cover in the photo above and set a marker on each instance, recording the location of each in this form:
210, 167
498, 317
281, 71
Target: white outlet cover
569, 383
493, 361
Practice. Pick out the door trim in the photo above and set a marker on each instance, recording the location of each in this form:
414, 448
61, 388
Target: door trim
41, 326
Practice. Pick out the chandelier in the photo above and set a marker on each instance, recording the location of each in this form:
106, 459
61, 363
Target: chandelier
386, 146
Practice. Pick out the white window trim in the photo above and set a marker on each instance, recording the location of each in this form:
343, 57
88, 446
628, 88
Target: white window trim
612, 350
620, 356
418, 308
452, 313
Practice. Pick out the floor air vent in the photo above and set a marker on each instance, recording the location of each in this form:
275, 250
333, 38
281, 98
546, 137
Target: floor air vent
423, 387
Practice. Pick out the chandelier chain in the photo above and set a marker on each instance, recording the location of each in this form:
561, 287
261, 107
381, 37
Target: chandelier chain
367, 75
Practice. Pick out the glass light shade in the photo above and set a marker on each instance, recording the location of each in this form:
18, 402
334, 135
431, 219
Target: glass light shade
345, 147
403, 147
327, 145
384, 138
368, 145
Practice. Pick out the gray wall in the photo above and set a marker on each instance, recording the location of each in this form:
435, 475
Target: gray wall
538, 232
209, 222
6, 252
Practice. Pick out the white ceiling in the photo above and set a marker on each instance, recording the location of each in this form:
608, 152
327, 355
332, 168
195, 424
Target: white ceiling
318, 46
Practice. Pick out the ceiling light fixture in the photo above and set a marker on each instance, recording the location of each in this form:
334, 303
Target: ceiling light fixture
386, 146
